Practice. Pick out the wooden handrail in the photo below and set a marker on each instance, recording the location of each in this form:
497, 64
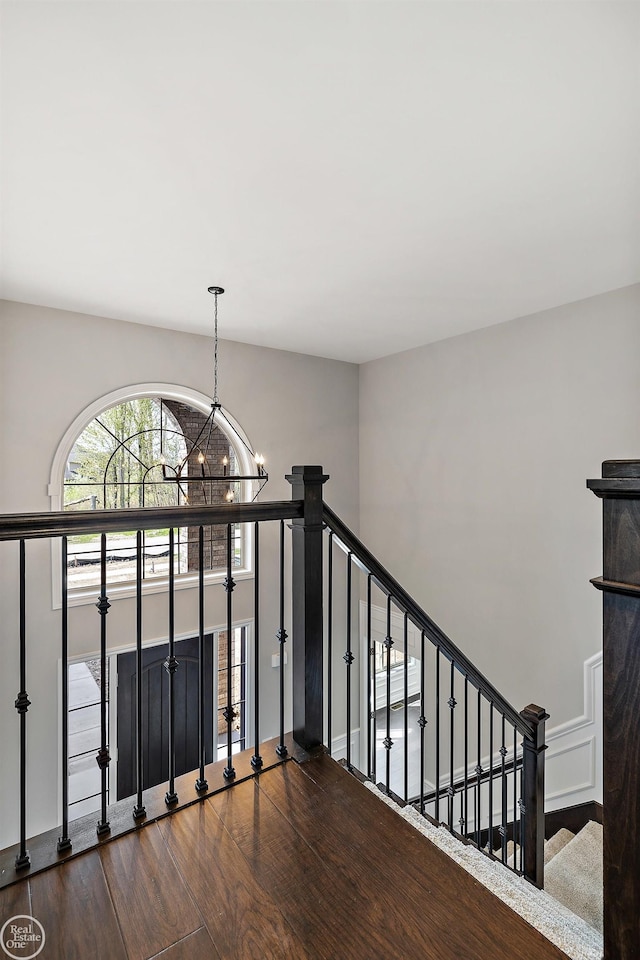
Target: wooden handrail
62, 523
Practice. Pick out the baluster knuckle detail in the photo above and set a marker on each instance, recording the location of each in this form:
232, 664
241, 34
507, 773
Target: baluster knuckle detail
103, 759
103, 606
348, 658
22, 702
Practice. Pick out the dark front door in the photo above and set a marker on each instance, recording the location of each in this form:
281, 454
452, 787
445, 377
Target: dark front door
155, 713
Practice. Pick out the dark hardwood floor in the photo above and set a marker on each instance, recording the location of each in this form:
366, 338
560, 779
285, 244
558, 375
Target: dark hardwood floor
299, 863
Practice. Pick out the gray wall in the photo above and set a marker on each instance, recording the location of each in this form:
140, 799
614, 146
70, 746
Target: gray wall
473, 457
294, 408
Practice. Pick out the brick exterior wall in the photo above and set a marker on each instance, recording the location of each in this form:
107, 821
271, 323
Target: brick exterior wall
214, 445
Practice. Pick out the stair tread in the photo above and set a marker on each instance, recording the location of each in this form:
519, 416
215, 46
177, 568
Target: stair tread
551, 847
574, 875
556, 843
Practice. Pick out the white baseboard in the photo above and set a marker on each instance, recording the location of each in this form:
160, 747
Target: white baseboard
339, 747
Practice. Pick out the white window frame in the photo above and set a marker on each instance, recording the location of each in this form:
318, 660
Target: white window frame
237, 437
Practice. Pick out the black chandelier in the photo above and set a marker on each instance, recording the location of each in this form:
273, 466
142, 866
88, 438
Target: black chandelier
209, 473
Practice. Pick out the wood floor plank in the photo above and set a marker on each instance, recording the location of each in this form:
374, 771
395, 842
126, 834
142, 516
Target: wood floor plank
15, 901
351, 825
198, 944
323, 906
242, 917
152, 903
74, 906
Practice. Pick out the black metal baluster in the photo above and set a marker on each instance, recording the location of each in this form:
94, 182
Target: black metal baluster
64, 842
171, 665
201, 784
348, 659
139, 811
229, 713
516, 839
388, 742
523, 813
256, 759
491, 776
503, 825
452, 708
422, 721
22, 705
406, 707
478, 771
102, 758
370, 694
329, 640
437, 806
281, 749
464, 805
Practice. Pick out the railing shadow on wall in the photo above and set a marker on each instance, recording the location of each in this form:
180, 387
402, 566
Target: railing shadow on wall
445, 740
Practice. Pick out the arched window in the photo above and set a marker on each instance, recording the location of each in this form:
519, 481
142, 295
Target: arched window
151, 445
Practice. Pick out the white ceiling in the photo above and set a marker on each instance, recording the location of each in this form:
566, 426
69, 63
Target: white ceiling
363, 177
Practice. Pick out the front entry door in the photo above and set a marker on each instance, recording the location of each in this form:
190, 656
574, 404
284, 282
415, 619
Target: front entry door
155, 713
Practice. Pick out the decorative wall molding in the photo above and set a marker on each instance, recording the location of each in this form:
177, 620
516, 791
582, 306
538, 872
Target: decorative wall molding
574, 748
574, 754
339, 747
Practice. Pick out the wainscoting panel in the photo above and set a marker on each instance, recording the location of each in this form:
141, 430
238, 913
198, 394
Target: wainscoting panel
574, 754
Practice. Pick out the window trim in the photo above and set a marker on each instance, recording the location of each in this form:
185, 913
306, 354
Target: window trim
79, 596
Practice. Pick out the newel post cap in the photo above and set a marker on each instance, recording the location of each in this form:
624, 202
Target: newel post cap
307, 474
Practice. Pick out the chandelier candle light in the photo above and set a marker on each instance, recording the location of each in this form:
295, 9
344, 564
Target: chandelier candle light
209, 472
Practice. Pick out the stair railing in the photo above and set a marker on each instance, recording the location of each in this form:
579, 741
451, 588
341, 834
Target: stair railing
486, 786
34, 787
473, 774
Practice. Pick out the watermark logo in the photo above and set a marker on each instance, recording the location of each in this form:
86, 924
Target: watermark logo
22, 937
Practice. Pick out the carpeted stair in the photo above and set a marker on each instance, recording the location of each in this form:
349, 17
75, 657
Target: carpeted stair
568, 912
574, 875
572, 870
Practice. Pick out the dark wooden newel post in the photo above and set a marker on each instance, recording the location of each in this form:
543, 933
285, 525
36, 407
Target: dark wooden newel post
306, 632
619, 489
533, 794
